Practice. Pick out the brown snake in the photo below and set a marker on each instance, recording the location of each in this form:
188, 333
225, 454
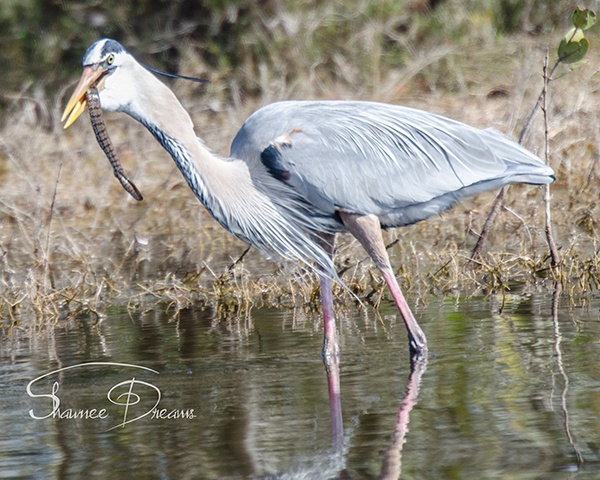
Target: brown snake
93, 100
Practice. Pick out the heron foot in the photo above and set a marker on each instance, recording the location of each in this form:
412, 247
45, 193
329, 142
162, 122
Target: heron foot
417, 343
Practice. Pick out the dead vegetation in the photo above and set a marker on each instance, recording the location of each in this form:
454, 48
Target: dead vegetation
72, 242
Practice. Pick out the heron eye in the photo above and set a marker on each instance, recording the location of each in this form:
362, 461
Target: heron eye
110, 59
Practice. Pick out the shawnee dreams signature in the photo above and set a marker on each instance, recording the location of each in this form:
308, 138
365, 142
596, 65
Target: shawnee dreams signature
125, 394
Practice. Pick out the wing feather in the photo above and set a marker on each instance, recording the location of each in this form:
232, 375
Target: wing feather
381, 159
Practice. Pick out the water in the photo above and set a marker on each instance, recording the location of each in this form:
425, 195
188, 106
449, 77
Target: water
509, 391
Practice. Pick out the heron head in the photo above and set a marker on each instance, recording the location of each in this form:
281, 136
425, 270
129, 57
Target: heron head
104, 64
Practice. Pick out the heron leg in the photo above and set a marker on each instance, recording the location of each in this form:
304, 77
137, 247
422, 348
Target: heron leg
416, 337
331, 351
367, 230
330, 345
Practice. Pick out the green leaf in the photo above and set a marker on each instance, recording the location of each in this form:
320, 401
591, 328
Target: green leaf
573, 46
584, 19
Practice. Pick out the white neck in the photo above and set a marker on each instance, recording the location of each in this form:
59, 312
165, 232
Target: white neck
253, 206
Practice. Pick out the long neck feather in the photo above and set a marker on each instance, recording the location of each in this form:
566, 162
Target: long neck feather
246, 200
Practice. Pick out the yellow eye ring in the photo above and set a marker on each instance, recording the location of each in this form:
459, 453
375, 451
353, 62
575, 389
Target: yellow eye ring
110, 59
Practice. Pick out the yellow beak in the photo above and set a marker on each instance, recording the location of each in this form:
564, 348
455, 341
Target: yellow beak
78, 102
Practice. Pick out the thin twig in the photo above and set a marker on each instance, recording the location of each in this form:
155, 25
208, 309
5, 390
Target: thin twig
240, 258
498, 201
47, 259
549, 235
488, 223
524, 224
542, 93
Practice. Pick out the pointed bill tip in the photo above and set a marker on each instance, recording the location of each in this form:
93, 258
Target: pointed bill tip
78, 102
75, 112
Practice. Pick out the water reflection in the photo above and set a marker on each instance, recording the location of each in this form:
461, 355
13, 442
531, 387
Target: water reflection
392, 458
511, 389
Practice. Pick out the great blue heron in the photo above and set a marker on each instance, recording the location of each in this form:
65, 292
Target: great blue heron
302, 171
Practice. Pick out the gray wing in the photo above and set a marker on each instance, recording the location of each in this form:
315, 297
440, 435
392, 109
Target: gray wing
396, 162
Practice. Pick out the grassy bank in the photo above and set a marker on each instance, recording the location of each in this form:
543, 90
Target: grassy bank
73, 242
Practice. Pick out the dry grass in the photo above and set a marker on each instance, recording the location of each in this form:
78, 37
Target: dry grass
97, 246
